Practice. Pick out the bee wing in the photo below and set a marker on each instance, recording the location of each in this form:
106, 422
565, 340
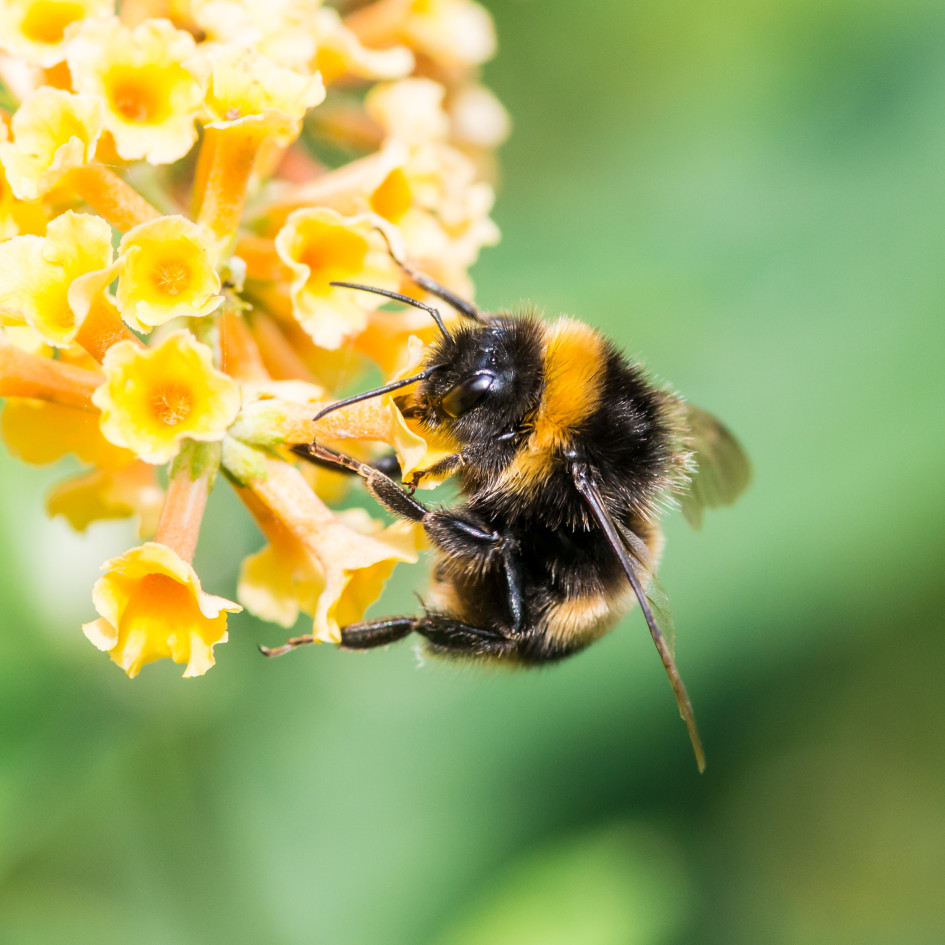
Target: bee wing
633, 559
723, 471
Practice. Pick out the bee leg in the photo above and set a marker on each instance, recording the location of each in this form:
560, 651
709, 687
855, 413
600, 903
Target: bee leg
387, 464
514, 583
356, 636
383, 488
446, 634
443, 467
371, 633
460, 537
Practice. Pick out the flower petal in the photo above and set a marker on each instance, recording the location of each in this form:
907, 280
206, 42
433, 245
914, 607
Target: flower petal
153, 398
152, 607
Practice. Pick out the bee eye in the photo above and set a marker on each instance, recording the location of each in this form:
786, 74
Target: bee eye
466, 395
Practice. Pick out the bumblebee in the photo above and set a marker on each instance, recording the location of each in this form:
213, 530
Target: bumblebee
566, 452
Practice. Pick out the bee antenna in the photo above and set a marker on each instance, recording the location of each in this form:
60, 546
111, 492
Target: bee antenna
466, 309
397, 297
378, 391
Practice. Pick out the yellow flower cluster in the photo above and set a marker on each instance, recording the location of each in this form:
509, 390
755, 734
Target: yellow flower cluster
173, 209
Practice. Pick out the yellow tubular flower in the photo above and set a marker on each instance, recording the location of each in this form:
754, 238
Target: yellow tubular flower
243, 85
285, 578
23, 374
53, 131
321, 246
152, 607
12, 217
166, 269
340, 52
280, 29
455, 34
315, 563
109, 494
36, 29
36, 273
250, 100
151, 100
40, 432
153, 398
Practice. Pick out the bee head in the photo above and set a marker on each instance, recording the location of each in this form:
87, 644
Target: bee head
489, 378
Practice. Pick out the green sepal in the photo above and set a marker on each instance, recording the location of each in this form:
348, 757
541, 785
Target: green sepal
258, 424
242, 463
197, 460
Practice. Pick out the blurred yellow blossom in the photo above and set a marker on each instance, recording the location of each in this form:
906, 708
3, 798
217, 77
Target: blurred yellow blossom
321, 246
168, 237
153, 398
242, 85
36, 30
53, 131
151, 102
280, 29
109, 494
36, 273
455, 34
40, 432
152, 606
340, 53
410, 110
433, 193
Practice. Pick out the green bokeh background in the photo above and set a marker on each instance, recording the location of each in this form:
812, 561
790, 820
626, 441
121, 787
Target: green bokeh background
751, 194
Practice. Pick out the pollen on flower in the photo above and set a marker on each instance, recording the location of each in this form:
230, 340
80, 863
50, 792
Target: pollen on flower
172, 404
171, 277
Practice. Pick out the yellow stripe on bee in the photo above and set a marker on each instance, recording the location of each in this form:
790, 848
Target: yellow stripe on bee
574, 360
573, 371
582, 620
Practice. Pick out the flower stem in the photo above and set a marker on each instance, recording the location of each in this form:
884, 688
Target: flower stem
117, 201
239, 353
188, 489
29, 375
101, 328
223, 170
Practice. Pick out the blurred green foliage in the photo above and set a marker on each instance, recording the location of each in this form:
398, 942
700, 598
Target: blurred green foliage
750, 194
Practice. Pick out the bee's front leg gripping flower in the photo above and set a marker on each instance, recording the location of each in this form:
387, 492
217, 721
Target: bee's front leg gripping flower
315, 563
